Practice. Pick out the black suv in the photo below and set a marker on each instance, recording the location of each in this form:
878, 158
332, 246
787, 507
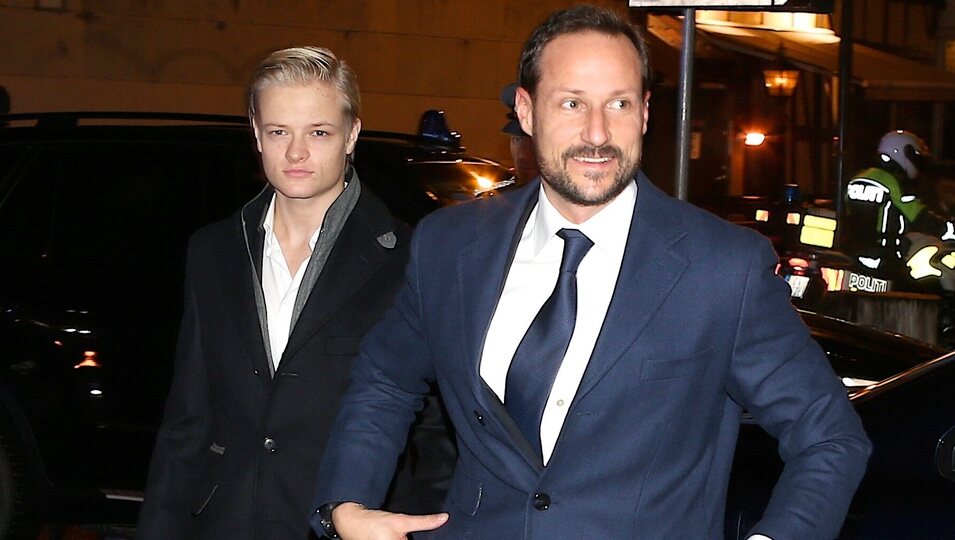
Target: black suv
95, 212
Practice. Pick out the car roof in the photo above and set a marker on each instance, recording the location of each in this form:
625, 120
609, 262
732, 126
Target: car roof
93, 124
869, 337
929, 367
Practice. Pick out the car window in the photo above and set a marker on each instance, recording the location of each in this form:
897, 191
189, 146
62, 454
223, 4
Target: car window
10, 158
858, 367
121, 206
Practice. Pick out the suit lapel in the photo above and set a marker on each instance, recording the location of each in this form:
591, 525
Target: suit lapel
482, 269
649, 271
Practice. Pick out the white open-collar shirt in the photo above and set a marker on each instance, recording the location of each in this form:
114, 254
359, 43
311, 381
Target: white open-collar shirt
279, 286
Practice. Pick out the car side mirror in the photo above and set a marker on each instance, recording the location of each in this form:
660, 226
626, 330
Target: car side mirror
945, 455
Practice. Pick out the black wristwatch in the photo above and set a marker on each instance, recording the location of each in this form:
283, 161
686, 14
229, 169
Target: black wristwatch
325, 518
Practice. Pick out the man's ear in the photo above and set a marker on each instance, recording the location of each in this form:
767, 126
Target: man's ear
524, 108
255, 130
646, 110
353, 136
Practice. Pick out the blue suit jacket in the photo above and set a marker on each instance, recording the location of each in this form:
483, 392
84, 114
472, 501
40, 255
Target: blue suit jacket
699, 329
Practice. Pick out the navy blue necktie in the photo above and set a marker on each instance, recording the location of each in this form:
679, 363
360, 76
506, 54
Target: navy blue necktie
541, 351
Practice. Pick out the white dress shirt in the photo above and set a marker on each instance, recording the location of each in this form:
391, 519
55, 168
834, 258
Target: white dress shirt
531, 280
279, 286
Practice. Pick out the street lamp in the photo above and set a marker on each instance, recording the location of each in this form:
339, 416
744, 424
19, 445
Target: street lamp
780, 79
781, 82
754, 138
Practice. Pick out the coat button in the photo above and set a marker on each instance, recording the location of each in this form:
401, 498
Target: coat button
480, 417
541, 501
269, 444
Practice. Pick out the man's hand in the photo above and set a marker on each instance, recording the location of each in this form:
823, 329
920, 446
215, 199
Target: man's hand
355, 522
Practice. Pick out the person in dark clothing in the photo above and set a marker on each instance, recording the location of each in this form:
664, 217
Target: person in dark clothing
277, 298
595, 375
884, 204
522, 144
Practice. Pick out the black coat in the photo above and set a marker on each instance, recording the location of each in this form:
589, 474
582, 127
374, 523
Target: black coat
238, 451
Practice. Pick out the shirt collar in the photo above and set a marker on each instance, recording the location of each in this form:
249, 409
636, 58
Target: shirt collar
607, 229
271, 242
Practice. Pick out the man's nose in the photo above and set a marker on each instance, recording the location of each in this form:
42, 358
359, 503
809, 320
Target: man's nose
297, 151
596, 131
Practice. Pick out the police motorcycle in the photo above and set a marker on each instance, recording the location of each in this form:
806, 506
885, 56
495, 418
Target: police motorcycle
803, 234
891, 240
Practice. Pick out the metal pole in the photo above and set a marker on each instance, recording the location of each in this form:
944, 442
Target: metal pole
845, 102
684, 99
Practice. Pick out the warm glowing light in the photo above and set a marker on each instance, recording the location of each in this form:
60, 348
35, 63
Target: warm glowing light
815, 25
793, 218
780, 82
754, 138
762, 215
797, 262
816, 237
834, 278
949, 260
852, 382
89, 360
483, 182
818, 231
820, 222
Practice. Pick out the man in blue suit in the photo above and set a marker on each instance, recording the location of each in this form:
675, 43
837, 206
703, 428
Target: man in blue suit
595, 342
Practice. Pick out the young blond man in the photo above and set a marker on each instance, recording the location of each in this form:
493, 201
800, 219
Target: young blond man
277, 298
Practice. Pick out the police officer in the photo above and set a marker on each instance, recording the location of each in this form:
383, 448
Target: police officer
909, 239
522, 145
886, 196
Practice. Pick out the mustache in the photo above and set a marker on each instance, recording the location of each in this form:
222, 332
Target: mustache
589, 151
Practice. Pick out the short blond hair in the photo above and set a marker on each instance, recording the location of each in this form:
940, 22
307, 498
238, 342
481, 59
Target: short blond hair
306, 65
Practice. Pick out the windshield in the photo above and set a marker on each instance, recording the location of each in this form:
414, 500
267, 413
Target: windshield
451, 183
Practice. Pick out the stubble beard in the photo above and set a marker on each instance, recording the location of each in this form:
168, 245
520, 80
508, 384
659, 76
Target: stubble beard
558, 178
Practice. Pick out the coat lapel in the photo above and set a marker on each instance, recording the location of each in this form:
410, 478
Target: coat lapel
354, 259
250, 258
649, 271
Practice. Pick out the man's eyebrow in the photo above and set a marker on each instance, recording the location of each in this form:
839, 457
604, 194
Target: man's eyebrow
322, 123
619, 92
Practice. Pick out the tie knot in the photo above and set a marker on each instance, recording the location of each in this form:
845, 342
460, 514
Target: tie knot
576, 246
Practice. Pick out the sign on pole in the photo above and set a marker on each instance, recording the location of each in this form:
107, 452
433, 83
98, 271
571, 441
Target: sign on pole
814, 6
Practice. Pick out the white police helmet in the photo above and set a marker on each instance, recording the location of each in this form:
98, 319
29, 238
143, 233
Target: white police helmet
904, 148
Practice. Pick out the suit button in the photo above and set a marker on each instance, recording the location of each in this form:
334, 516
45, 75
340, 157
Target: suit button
269, 444
541, 501
480, 417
